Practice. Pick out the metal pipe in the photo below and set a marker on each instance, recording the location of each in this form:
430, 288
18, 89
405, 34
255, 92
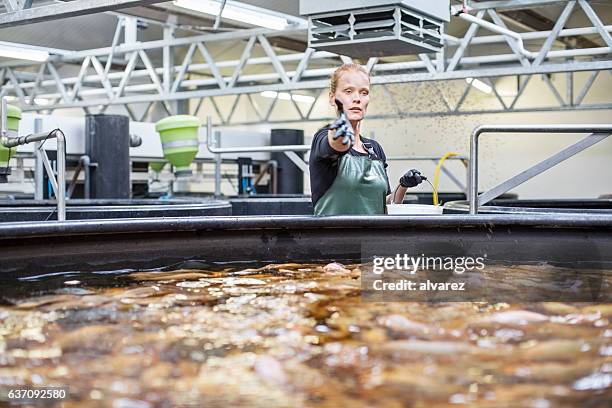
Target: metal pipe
424, 158
540, 167
538, 35
38, 164
61, 155
274, 176
50, 171
218, 150
86, 161
135, 140
294, 148
507, 4
501, 30
217, 136
21, 140
61, 161
61, 175
473, 165
109, 60
55, 51
218, 19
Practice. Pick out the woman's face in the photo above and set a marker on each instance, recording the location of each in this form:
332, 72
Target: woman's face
353, 90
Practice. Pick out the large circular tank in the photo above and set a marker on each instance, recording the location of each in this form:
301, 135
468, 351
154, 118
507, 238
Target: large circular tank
157, 242
553, 206
82, 209
274, 311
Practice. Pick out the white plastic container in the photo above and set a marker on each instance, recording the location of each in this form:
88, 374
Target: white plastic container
414, 209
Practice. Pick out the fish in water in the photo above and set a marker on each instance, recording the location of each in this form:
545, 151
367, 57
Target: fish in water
300, 335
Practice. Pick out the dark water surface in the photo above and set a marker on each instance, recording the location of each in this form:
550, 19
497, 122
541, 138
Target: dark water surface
294, 335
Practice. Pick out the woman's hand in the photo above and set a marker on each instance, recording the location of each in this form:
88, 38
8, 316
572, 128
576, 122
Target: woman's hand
343, 127
412, 178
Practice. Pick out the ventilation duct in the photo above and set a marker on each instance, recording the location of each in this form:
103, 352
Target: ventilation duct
376, 28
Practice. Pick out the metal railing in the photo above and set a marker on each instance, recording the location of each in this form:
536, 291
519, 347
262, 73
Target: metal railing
598, 132
213, 138
59, 184
250, 149
214, 148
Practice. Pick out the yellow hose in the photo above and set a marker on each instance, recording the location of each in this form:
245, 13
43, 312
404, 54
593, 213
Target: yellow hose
437, 175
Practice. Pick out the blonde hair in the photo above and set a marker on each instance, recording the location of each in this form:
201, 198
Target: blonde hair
333, 80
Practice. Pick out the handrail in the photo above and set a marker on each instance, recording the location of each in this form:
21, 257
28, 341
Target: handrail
426, 158
598, 132
304, 148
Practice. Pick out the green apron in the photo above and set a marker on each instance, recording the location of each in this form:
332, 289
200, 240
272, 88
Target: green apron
360, 187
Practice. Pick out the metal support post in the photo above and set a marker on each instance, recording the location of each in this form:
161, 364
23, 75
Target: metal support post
86, 161
38, 165
217, 136
297, 160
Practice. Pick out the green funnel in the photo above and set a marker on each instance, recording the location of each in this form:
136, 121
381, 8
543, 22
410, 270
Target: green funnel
157, 166
13, 117
179, 138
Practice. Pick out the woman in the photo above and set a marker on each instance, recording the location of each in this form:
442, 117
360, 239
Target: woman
347, 171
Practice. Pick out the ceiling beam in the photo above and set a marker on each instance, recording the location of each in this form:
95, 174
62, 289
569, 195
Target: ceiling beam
511, 4
537, 22
65, 10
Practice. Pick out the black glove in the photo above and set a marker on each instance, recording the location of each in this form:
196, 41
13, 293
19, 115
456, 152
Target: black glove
412, 178
343, 127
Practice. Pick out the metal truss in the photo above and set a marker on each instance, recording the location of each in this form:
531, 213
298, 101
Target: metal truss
21, 12
143, 79
16, 5
439, 104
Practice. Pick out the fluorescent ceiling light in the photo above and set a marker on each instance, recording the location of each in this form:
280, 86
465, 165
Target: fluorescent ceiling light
42, 101
478, 84
287, 97
244, 13
37, 101
23, 53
